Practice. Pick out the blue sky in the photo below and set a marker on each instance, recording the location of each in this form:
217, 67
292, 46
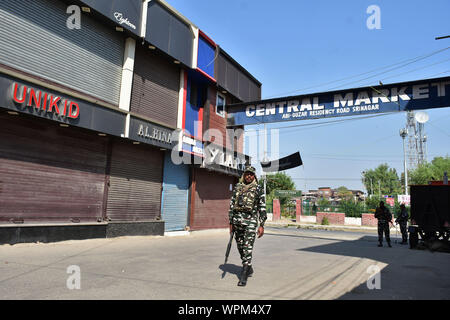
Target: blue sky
295, 47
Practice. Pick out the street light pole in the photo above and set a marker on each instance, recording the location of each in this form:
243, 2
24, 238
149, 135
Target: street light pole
403, 134
379, 189
371, 187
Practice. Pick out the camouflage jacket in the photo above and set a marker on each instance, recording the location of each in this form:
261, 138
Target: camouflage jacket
258, 210
383, 215
402, 217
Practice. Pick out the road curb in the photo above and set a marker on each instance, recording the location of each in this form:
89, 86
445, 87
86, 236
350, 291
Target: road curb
323, 227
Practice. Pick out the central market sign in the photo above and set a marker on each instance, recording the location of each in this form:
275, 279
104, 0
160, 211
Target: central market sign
406, 96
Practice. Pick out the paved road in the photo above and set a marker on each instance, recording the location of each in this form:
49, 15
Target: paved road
289, 264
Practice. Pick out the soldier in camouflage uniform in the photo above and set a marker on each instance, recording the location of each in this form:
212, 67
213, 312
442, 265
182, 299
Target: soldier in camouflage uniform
247, 207
384, 216
402, 220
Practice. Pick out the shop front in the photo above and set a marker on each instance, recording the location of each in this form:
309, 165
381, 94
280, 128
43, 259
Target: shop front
213, 184
71, 169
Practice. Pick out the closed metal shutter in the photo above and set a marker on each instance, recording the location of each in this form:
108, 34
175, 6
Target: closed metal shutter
235, 81
135, 183
49, 173
35, 39
169, 33
175, 197
156, 85
212, 200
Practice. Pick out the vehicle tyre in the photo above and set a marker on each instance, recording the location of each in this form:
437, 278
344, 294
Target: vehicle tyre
413, 239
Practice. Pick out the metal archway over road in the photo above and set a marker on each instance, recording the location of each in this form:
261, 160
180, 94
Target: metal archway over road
404, 96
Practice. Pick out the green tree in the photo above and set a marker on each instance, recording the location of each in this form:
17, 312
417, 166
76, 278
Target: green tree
351, 208
278, 181
381, 181
433, 171
322, 204
371, 204
344, 193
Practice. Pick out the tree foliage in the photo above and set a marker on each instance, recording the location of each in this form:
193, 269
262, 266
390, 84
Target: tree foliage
352, 208
432, 171
344, 193
278, 181
382, 181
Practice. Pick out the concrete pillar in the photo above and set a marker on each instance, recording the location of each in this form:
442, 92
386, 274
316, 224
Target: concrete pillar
298, 210
276, 210
127, 80
127, 74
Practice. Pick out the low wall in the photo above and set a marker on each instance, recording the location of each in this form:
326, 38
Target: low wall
308, 219
12, 234
352, 221
368, 219
333, 218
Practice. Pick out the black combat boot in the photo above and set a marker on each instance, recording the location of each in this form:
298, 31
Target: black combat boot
250, 271
389, 245
380, 244
244, 275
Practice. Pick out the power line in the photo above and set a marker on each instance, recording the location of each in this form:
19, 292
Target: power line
403, 65
360, 74
436, 74
421, 68
442, 130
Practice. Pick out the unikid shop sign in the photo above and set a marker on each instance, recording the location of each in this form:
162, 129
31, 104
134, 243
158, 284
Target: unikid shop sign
44, 102
28, 98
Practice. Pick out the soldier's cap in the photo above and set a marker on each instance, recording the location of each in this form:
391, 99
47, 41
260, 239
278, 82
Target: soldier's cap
250, 169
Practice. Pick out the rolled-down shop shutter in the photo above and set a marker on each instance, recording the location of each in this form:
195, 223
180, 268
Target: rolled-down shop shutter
212, 199
156, 83
35, 39
175, 195
135, 182
49, 173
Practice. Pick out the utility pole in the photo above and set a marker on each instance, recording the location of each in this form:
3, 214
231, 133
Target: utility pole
265, 159
403, 134
371, 187
379, 189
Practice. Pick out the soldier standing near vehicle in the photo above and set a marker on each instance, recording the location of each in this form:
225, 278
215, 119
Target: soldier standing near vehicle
402, 220
384, 216
247, 207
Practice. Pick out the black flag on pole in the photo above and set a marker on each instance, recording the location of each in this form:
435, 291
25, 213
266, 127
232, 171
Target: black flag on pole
289, 162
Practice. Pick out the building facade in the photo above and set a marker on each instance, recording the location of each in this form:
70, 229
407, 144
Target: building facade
113, 121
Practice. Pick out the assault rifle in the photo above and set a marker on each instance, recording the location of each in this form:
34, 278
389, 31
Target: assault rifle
227, 253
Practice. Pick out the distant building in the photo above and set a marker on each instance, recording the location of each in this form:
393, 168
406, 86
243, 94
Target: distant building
312, 196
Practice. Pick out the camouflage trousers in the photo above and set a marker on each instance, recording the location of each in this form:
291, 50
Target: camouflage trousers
383, 227
245, 235
404, 230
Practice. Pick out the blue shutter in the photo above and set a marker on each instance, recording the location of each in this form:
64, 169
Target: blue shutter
175, 196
